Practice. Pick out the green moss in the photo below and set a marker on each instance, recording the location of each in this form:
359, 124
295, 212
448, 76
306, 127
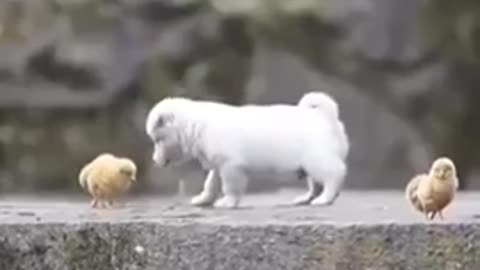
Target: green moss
454, 26
89, 15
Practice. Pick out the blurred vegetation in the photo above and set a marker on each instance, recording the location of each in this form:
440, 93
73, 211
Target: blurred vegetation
94, 99
212, 58
454, 26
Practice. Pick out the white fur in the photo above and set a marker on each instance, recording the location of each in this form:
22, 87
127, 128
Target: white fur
326, 105
231, 141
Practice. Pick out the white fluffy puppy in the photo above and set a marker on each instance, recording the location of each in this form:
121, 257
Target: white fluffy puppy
232, 141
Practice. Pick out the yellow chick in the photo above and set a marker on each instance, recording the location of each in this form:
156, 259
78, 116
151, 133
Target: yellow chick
106, 178
431, 193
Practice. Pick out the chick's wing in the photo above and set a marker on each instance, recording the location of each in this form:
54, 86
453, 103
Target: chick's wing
411, 191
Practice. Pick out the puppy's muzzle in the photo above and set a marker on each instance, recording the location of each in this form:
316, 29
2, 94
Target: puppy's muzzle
161, 163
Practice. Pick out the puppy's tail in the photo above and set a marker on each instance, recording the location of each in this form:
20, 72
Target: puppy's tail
322, 102
326, 105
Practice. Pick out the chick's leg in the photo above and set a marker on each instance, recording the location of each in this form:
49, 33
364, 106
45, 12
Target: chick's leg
432, 215
100, 199
94, 203
440, 215
424, 210
104, 203
109, 203
97, 194
100, 203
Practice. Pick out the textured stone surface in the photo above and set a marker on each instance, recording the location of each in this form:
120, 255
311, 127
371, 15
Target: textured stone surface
361, 231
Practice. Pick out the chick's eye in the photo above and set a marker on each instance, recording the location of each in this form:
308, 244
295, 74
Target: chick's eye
126, 172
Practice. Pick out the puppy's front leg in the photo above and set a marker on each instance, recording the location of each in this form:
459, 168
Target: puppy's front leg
234, 184
211, 189
312, 192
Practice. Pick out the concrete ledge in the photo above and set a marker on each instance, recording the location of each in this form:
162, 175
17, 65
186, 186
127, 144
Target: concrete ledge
361, 231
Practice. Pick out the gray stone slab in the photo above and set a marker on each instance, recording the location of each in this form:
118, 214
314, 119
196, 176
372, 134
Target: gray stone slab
363, 230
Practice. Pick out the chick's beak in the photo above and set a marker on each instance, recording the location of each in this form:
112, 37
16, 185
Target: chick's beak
443, 174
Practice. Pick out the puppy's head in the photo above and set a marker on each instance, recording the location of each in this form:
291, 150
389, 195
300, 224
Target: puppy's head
160, 127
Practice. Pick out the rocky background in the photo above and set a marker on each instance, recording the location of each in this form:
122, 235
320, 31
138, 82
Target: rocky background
77, 78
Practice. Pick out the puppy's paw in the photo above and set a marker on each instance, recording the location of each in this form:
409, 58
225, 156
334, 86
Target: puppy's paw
228, 202
203, 199
321, 201
302, 199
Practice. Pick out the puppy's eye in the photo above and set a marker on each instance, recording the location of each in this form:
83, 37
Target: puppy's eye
160, 122
164, 120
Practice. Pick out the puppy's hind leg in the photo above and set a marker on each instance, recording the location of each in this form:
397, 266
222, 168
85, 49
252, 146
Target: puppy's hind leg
332, 175
234, 185
312, 192
211, 189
